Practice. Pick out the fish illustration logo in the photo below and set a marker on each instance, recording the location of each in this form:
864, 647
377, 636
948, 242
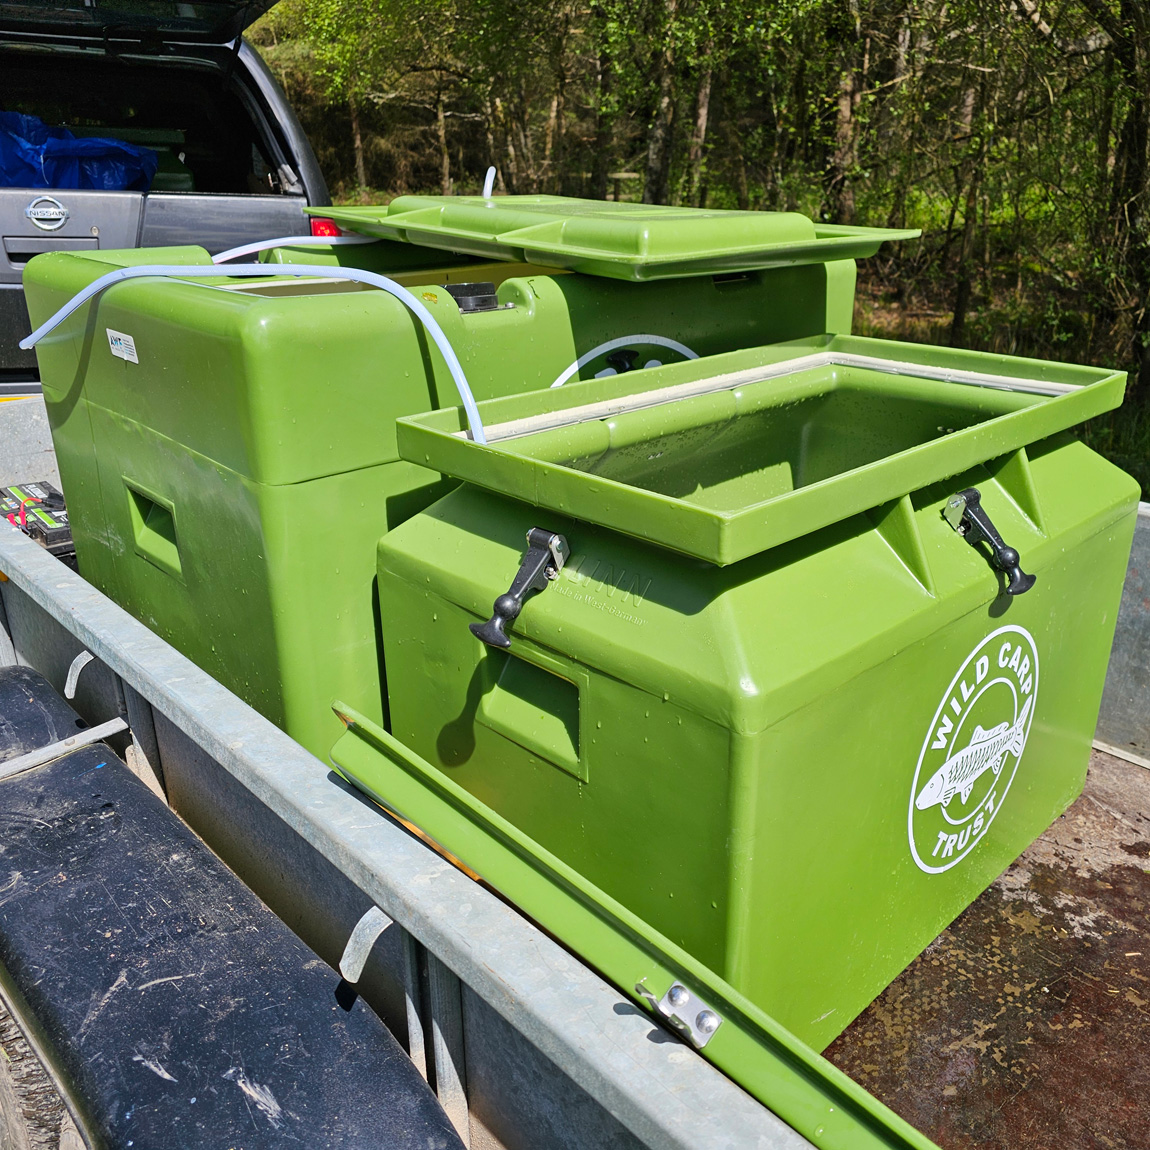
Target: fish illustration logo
972, 749
984, 752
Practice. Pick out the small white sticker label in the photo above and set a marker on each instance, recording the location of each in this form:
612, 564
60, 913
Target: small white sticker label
123, 346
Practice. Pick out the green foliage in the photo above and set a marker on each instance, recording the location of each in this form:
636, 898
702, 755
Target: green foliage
1016, 136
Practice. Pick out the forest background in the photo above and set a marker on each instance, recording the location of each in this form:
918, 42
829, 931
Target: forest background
1015, 133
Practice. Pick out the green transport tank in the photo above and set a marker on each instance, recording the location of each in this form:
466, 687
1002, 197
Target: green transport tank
228, 446
746, 676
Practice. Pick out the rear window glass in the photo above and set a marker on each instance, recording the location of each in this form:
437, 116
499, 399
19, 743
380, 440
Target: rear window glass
192, 117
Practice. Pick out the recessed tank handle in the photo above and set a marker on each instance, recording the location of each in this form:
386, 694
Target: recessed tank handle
965, 513
546, 554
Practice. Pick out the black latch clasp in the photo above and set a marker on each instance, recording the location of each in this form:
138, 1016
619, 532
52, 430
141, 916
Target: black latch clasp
546, 554
965, 513
623, 360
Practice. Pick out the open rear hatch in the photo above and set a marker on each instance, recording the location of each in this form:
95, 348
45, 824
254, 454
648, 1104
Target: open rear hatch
152, 21
88, 67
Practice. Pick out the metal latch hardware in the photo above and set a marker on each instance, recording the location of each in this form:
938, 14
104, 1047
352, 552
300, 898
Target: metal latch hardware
965, 513
62, 747
363, 937
686, 1012
546, 554
623, 359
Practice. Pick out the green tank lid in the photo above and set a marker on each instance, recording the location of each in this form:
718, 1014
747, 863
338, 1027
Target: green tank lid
617, 240
726, 457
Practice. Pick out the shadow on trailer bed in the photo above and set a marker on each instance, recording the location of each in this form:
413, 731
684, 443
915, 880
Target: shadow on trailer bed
1025, 1025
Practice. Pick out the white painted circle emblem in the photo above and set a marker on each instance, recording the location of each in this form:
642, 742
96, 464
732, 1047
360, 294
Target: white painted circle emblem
972, 749
47, 213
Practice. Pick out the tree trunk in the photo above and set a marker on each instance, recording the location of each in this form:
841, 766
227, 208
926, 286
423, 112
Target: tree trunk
739, 165
524, 134
1105, 157
845, 157
523, 131
976, 157
444, 156
511, 180
962, 289
492, 151
548, 145
1129, 33
842, 163
1137, 221
1135, 196
659, 139
699, 137
902, 51
553, 160
558, 157
601, 161
357, 143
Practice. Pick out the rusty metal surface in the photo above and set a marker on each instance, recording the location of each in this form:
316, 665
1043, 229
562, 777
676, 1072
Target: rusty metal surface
1026, 1024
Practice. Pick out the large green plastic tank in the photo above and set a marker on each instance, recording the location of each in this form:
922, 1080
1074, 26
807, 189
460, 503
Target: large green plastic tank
774, 704
228, 477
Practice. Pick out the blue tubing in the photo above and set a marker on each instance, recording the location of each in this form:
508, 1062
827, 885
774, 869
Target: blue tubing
197, 271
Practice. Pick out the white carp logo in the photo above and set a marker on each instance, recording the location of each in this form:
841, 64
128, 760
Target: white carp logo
972, 749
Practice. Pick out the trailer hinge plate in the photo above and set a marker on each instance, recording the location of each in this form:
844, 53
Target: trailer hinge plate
685, 1011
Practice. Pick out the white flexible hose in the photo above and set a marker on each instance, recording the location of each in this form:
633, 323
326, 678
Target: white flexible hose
623, 341
196, 271
289, 242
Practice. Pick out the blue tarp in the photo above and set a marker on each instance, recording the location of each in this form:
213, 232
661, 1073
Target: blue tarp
33, 155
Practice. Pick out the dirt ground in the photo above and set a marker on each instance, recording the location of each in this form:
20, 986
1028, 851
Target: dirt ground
1026, 1024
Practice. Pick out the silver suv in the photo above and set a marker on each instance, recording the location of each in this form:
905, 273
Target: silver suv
234, 164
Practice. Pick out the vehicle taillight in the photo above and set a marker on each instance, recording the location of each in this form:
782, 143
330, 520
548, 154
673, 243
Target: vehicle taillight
322, 226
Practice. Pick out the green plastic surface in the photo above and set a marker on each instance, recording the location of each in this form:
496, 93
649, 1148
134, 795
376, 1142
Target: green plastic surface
769, 453
259, 423
805, 1090
742, 756
617, 240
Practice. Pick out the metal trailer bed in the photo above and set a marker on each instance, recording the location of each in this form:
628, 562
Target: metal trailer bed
530, 1048
524, 1045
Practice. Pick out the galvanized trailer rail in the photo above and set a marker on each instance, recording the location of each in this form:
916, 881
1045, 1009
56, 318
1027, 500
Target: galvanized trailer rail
525, 1045
1124, 721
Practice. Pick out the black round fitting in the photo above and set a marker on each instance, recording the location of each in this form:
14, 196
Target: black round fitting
474, 297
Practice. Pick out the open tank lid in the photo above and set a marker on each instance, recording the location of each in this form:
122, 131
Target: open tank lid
169, 21
618, 240
725, 458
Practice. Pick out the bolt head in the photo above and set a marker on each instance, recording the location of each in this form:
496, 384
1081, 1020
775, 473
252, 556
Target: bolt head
677, 995
707, 1022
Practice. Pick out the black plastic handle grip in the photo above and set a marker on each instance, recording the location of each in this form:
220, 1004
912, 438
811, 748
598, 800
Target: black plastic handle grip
546, 554
968, 517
